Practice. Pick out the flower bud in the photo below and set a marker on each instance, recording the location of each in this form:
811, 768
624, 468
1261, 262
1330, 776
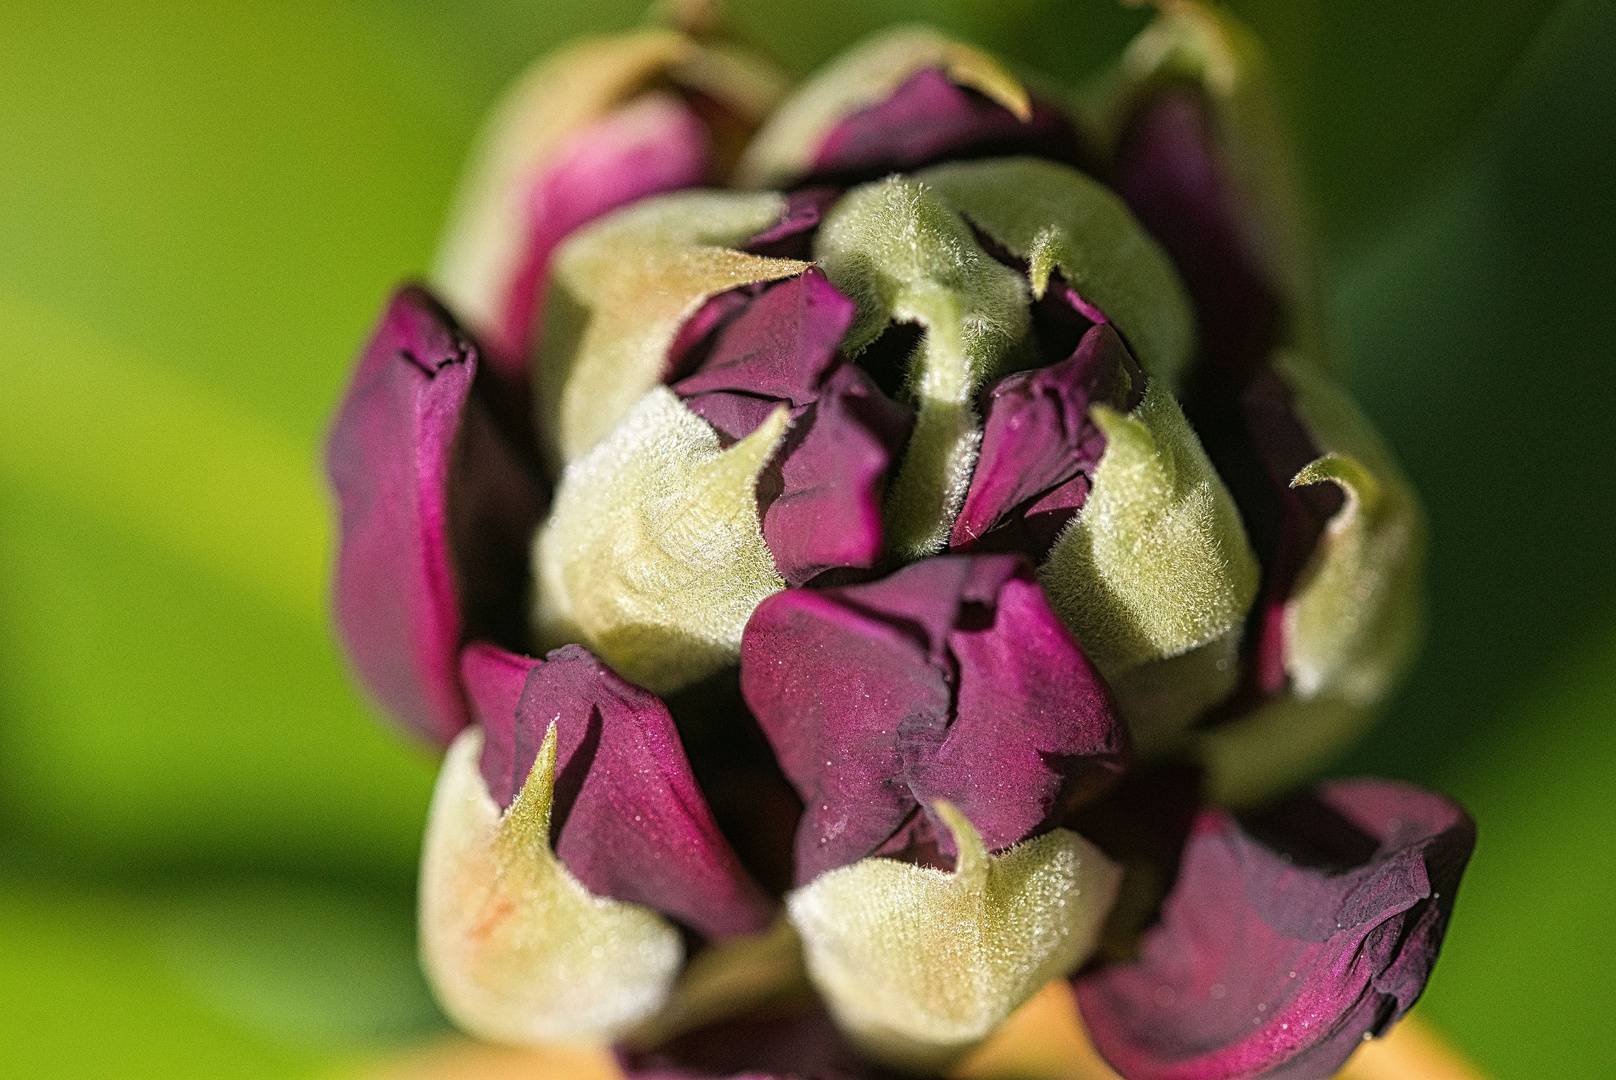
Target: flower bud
581, 133
901, 255
949, 680
1055, 218
1156, 563
516, 949
622, 289
818, 131
932, 492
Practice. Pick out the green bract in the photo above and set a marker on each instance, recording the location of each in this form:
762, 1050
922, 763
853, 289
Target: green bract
919, 965
622, 289
517, 950
1054, 217
902, 255
1156, 563
652, 555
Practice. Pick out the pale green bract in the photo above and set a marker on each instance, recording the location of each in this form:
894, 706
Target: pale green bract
621, 289
1355, 619
1054, 217
652, 555
1156, 563
516, 949
918, 966
901, 255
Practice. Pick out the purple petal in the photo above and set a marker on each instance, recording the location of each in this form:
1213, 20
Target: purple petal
793, 237
494, 679
1284, 445
630, 820
437, 511
781, 346
1038, 436
1169, 175
652, 145
950, 679
832, 478
930, 119
799, 1044
820, 499
1277, 961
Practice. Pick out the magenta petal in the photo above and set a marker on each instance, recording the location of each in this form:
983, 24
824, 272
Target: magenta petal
792, 237
436, 511
828, 511
652, 145
781, 346
630, 820
820, 499
494, 679
803, 1045
950, 679
930, 119
1276, 957
1037, 434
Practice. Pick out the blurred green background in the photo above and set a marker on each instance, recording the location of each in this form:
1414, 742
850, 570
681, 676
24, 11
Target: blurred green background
207, 841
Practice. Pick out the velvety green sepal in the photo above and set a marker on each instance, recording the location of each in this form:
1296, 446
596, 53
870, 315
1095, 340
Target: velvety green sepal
621, 289
918, 966
1157, 562
1356, 618
903, 256
653, 556
1055, 217
518, 951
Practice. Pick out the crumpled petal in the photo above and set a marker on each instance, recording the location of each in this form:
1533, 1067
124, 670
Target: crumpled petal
1283, 946
781, 347
1156, 563
432, 499
1038, 435
515, 948
951, 679
621, 289
833, 466
652, 555
787, 148
1055, 217
919, 966
631, 822
931, 118
903, 256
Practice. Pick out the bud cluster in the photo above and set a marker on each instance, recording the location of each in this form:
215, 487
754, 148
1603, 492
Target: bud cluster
861, 548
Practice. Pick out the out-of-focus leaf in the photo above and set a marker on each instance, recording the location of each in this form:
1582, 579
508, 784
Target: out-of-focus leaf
1524, 983
317, 968
124, 441
85, 992
151, 713
1382, 90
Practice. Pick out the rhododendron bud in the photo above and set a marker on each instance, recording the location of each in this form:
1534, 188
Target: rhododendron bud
853, 532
